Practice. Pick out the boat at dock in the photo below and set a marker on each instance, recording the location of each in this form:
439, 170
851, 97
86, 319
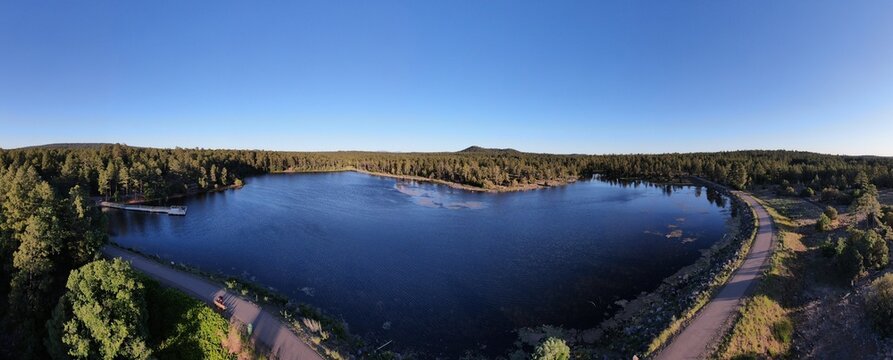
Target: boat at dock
170, 210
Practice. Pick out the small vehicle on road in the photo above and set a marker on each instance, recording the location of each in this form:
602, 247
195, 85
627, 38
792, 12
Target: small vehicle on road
218, 302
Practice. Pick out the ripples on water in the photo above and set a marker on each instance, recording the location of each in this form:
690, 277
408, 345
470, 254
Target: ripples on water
437, 268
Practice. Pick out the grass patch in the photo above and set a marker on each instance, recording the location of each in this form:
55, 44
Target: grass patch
792, 208
764, 329
182, 327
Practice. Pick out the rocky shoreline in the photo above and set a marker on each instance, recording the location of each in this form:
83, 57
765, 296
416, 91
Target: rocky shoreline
644, 324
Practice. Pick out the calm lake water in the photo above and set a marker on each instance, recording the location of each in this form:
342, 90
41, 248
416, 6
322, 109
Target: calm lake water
435, 268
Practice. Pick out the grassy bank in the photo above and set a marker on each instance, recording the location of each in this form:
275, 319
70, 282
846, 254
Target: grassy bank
182, 327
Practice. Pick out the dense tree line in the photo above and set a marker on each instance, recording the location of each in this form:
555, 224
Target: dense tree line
742, 169
44, 234
120, 171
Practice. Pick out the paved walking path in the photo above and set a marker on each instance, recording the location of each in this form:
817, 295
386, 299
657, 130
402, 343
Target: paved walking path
697, 339
268, 329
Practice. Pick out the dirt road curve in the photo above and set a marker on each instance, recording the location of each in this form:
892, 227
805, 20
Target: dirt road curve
698, 338
267, 327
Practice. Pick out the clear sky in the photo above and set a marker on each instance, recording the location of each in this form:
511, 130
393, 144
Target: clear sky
545, 76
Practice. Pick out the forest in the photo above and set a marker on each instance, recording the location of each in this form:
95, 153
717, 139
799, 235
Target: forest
120, 171
49, 227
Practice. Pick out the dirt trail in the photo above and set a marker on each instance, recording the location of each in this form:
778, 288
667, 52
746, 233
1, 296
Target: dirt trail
696, 341
268, 329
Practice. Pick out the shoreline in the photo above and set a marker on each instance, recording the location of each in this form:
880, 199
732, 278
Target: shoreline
279, 306
451, 184
645, 323
705, 277
179, 196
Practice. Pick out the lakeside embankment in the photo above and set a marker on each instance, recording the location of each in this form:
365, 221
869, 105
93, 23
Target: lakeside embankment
179, 196
454, 185
273, 319
645, 324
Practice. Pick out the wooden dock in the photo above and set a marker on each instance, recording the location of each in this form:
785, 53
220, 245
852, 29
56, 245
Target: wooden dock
170, 210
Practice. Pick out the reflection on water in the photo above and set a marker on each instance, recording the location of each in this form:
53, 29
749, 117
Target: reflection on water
436, 268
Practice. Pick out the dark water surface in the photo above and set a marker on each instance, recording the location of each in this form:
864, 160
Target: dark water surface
431, 267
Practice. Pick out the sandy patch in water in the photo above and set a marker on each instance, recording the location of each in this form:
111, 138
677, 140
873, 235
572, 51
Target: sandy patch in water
435, 199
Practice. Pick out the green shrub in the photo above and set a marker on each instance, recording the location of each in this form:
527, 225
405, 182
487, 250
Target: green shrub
787, 191
231, 284
823, 224
783, 330
807, 192
863, 250
874, 249
850, 262
833, 195
831, 212
829, 247
879, 304
552, 349
181, 327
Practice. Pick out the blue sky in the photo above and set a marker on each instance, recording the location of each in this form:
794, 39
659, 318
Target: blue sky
563, 77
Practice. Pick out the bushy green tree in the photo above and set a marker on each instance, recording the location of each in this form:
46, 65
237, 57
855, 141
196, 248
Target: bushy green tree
102, 316
787, 191
829, 247
879, 304
85, 228
831, 212
832, 195
866, 203
35, 237
863, 250
552, 349
738, 176
807, 192
824, 223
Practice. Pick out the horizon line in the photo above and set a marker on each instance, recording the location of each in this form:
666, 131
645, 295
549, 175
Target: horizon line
51, 145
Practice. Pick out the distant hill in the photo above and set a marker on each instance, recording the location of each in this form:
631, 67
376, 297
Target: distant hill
67, 146
478, 149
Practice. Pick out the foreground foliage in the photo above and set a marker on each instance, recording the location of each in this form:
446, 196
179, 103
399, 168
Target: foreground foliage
43, 235
111, 312
102, 316
181, 327
552, 349
879, 304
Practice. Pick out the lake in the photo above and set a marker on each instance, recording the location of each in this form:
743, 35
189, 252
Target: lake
434, 268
